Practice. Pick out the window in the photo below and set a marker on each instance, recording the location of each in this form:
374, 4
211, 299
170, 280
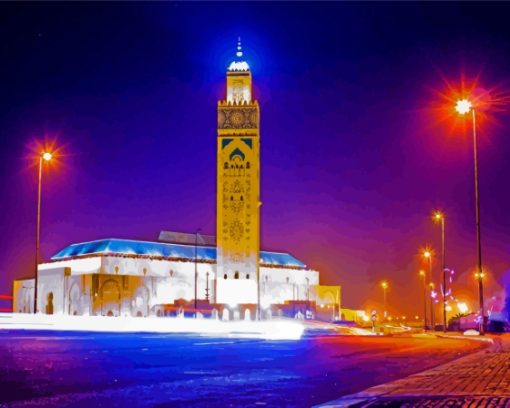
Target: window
247, 276
225, 166
247, 165
225, 276
236, 275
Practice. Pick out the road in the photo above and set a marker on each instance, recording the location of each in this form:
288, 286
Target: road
84, 370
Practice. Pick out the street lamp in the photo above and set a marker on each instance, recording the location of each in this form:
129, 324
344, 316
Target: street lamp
384, 286
440, 218
463, 107
196, 270
433, 295
423, 275
44, 156
427, 254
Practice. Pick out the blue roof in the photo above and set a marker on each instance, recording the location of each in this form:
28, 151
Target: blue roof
161, 249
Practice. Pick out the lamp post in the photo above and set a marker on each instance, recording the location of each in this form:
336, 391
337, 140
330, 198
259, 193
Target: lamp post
44, 156
207, 286
464, 106
196, 270
432, 299
384, 286
439, 217
427, 254
423, 275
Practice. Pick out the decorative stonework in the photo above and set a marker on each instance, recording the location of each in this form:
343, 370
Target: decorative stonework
236, 230
237, 118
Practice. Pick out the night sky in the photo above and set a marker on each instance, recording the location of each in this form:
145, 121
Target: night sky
356, 147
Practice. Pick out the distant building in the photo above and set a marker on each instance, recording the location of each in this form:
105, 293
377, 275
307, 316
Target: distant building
233, 277
125, 277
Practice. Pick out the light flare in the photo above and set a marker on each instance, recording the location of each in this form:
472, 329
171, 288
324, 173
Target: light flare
268, 329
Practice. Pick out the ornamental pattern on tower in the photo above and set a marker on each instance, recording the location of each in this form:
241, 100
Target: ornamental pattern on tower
237, 118
238, 182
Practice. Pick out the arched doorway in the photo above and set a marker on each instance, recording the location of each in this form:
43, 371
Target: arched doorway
27, 301
74, 300
110, 298
49, 303
141, 301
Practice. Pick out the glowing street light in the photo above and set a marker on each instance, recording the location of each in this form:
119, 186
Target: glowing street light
480, 275
464, 106
47, 156
440, 218
463, 307
44, 156
384, 286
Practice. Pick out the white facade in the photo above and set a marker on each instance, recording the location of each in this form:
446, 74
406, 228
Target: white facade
130, 285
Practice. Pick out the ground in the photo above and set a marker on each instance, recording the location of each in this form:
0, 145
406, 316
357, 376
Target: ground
48, 369
478, 380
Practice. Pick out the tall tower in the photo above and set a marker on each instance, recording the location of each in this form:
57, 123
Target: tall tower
238, 188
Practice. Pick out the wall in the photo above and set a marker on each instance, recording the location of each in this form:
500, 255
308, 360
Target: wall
23, 296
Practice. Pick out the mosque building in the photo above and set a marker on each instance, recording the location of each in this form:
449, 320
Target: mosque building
227, 275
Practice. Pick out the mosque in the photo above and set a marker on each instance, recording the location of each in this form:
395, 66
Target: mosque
226, 276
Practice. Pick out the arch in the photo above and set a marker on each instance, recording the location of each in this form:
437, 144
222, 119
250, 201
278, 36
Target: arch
74, 299
247, 314
27, 301
225, 276
236, 153
110, 296
141, 301
247, 276
225, 315
49, 303
236, 275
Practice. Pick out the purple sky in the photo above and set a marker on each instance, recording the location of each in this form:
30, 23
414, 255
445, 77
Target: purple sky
354, 157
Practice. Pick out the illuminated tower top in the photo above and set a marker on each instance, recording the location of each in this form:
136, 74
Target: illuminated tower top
239, 79
239, 64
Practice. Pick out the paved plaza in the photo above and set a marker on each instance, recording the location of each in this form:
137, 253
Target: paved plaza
481, 379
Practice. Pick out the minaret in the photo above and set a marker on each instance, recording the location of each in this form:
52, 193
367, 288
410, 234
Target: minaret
238, 188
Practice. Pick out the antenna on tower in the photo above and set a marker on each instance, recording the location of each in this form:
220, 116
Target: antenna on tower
239, 52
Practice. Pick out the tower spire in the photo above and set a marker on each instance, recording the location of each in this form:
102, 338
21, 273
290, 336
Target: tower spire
239, 64
239, 52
